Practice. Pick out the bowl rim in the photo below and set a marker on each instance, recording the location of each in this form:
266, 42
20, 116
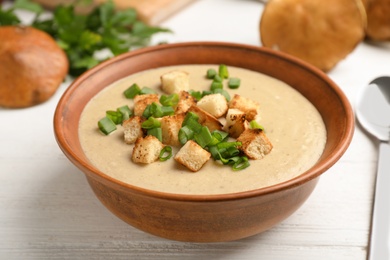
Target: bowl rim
312, 173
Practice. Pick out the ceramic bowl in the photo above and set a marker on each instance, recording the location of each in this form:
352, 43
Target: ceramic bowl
206, 218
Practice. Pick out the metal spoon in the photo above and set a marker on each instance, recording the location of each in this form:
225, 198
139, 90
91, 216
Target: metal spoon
373, 113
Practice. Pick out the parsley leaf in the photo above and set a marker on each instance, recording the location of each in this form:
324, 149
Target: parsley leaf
81, 36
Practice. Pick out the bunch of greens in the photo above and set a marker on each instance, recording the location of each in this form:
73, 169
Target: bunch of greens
84, 36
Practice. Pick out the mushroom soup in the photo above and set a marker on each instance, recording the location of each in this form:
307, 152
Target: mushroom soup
292, 124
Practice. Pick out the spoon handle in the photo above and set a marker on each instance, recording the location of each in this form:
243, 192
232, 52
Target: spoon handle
380, 233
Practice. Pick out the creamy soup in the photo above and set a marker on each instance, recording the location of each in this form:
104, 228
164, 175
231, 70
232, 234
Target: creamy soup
291, 122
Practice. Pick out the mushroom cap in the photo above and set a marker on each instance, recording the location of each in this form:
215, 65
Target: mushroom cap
32, 66
316, 31
378, 20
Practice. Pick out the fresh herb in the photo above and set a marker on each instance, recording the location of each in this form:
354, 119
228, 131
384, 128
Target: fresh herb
84, 36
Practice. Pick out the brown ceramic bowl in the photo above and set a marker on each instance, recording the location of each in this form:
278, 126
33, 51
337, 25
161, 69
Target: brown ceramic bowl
206, 218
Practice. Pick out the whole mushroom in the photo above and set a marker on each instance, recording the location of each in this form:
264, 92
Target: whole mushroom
32, 66
319, 32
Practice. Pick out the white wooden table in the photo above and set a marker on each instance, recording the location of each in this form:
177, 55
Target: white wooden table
48, 211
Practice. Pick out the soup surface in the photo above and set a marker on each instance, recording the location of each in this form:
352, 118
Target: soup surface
291, 122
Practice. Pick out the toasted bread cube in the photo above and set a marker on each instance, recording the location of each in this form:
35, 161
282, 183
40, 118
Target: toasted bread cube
170, 126
175, 81
248, 106
214, 104
132, 129
142, 101
146, 150
206, 119
192, 156
185, 102
236, 122
255, 144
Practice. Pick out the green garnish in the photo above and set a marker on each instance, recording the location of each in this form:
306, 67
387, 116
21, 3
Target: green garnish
157, 110
204, 137
106, 125
125, 111
165, 153
115, 116
157, 132
169, 100
211, 73
150, 123
83, 36
216, 85
255, 125
234, 83
146, 90
223, 71
132, 91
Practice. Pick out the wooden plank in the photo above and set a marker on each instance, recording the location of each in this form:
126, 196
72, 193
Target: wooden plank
152, 12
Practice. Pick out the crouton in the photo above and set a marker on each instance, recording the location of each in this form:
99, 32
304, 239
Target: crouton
214, 104
236, 122
255, 144
192, 156
248, 106
146, 150
142, 101
132, 129
206, 119
185, 102
175, 81
170, 126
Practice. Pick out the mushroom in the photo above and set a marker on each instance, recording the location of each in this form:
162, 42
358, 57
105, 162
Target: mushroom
32, 66
319, 32
378, 20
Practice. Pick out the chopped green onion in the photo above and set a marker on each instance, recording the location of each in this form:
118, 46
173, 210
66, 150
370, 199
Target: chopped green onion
156, 110
211, 73
157, 132
218, 78
223, 71
228, 144
206, 92
255, 125
190, 116
132, 91
204, 137
216, 85
196, 94
115, 116
185, 134
234, 83
166, 150
214, 152
241, 164
125, 111
146, 90
224, 93
169, 100
150, 123
106, 125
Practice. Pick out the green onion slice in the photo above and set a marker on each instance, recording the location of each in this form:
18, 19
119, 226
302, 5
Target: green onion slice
241, 164
216, 85
185, 134
224, 93
165, 153
151, 123
196, 94
157, 132
234, 83
211, 73
125, 111
255, 125
223, 71
106, 125
132, 91
115, 116
204, 137
169, 100
146, 90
